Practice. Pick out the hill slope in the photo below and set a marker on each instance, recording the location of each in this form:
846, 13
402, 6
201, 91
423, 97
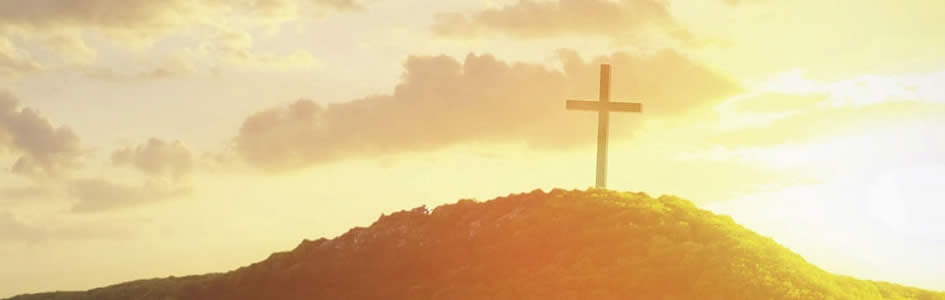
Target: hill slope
592, 244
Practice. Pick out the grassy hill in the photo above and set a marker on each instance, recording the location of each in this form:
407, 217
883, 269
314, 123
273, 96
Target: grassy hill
594, 244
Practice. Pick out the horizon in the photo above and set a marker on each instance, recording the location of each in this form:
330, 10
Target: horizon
137, 134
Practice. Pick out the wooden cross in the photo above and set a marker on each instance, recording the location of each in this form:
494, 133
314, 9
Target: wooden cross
603, 107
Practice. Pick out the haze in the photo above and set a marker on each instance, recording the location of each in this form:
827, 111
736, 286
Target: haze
145, 138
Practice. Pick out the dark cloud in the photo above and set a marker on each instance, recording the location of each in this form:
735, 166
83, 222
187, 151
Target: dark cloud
43, 149
529, 19
98, 195
442, 101
157, 158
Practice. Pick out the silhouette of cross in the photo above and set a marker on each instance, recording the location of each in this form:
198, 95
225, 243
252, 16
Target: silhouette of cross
603, 107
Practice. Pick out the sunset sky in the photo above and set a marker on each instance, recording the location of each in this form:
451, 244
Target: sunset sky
143, 138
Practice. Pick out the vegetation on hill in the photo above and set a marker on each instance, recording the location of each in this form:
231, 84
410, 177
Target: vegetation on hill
594, 244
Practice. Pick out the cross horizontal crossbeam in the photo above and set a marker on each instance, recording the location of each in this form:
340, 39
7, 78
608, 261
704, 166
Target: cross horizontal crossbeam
604, 106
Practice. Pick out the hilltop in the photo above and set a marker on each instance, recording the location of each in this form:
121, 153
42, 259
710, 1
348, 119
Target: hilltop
594, 244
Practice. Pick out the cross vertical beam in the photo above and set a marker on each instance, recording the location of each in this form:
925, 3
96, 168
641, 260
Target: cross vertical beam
603, 106
603, 127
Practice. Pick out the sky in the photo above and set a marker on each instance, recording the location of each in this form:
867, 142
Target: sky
143, 139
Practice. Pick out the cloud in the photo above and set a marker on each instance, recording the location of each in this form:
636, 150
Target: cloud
620, 20
441, 101
63, 27
342, 5
179, 63
144, 16
157, 158
777, 102
99, 195
132, 14
70, 45
836, 121
12, 229
108, 74
838, 141
17, 194
167, 165
15, 62
236, 48
789, 108
15, 230
44, 150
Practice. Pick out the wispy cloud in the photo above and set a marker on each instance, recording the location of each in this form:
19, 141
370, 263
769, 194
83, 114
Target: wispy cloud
98, 195
15, 62
12, 229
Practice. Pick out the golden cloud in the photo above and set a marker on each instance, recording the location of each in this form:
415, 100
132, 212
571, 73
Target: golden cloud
620, 20
143, 16
12, 229
819, 123
43, 149
15, 62
99, 195
62, 26
441, 101
157, 157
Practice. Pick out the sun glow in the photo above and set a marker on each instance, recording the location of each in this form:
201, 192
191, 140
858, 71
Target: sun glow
818, 123
866, 160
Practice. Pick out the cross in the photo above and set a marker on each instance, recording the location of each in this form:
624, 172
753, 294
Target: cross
603, 108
